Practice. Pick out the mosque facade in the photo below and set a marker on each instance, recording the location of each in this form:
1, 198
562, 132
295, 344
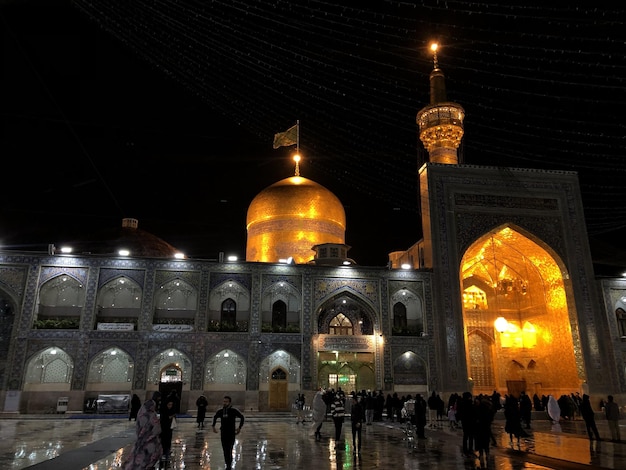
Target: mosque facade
499, 294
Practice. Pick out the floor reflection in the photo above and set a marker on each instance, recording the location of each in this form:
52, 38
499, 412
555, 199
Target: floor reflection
281, 444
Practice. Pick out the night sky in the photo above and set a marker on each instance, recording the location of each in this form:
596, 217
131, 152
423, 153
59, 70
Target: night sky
165, 111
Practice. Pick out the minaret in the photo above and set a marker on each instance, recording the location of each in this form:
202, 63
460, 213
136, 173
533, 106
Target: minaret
441, 122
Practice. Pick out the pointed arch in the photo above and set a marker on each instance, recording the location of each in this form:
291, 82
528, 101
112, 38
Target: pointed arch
60, 302
355, 310
510, 273
112, 366
169, 359
278, 293
61, 291
229, 307
47, 368
176, 294
407, 312
410, 369
280, 359
120, 292
225, 370
119, 300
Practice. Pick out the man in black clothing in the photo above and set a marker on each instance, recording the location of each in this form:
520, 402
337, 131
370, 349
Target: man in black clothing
228, 429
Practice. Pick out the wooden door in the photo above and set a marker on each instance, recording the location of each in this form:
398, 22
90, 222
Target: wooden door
279, 397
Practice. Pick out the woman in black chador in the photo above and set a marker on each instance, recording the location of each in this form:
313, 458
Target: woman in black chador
135, 405
201, 404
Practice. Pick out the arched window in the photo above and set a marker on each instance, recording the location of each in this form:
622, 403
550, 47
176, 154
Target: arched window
229, 312
399, 315
279, 374
341, 325
279, 315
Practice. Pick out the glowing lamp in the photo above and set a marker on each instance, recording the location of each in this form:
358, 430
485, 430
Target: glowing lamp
501, 324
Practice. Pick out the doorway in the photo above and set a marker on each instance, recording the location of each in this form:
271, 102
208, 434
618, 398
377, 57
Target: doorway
279, 388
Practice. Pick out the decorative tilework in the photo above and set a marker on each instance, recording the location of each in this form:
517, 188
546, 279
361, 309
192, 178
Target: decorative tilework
326, 287
12, 279
49, 272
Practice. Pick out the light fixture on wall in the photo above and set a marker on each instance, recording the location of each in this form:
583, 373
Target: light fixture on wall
501, 324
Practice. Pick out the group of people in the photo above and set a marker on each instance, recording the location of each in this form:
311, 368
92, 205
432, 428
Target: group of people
337, 402
156, 421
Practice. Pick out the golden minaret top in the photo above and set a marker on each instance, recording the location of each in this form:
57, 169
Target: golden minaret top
441, 122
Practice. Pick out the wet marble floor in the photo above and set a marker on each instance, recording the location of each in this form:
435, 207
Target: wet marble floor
277, 442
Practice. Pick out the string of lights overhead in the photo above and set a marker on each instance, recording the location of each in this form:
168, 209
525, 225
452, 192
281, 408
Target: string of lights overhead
542, 86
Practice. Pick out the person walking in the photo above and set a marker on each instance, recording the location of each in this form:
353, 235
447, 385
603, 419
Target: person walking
482, 438
589, 416
357, 417
318, 414
370, 406
338, 411
167, 417
135, 405
466, 413
525, 409
421, 409
201, 404
612, 417
389, 407
432, 410
553, 409
452, 417
228, 429
513, 419
300, 408
147, 449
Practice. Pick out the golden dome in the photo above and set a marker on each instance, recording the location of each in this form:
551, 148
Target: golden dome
288, 218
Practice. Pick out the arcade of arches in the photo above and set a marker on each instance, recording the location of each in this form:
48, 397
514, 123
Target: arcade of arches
519, 330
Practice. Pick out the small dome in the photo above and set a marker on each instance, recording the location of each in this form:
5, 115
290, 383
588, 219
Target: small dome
128, 236
288, 218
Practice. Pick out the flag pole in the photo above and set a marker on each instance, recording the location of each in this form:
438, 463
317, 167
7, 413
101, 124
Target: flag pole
298, 135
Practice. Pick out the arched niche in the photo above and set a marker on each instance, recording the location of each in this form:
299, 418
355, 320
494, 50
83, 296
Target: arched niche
110, 370
50, 369
60, 303
119, 301
236, 298
225, 370
175, 301
515, 279
281, 299
407, 313
170, 365
410, 373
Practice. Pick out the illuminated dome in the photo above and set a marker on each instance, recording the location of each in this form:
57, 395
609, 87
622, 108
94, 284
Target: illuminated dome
287, 219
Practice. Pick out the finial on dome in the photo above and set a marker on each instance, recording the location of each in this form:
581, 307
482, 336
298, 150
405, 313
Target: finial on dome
296, 158
433, 47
